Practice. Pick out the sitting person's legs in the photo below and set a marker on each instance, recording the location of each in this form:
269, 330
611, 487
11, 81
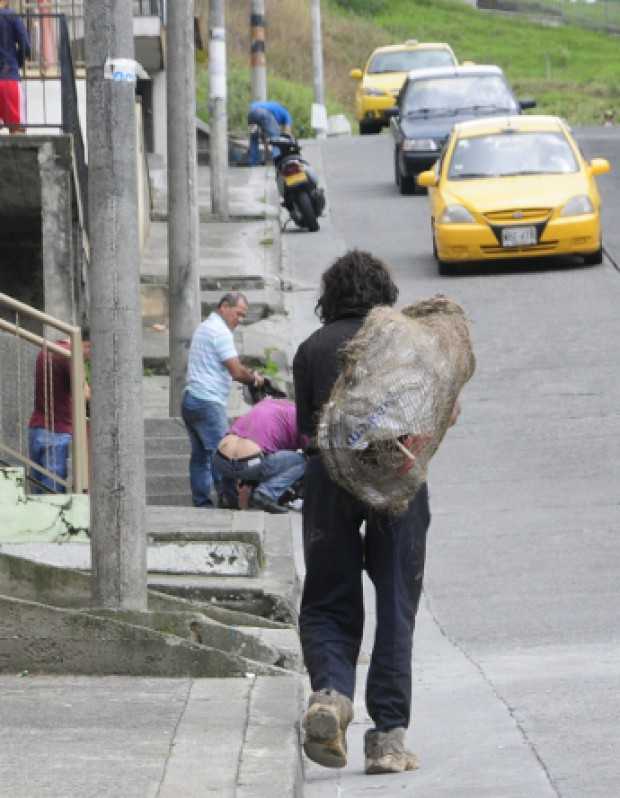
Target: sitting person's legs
279, 471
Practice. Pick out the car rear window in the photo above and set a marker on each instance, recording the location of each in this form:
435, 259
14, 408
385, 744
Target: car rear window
511, 153
456, 94
407, 60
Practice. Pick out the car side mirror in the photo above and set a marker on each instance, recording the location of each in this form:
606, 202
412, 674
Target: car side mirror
391, 112
356, 74
599, 166
428, 179
527, 103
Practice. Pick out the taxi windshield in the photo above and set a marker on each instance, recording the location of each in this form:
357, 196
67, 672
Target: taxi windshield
406, 60
512, 154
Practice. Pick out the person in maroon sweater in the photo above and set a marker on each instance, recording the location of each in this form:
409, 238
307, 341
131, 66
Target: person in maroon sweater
51, 423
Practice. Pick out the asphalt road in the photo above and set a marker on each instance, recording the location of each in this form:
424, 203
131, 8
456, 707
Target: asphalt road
523, 575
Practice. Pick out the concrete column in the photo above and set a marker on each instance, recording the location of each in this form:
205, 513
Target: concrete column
258, 62
317, 64
183, 255
59, 290
117, 427
218, 117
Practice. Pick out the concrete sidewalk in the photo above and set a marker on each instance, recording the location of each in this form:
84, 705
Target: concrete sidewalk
124, 736
131, 737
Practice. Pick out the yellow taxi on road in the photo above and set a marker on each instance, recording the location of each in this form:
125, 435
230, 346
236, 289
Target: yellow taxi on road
514, 187
384, 74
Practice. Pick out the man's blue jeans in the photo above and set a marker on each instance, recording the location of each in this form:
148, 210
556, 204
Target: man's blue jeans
270, 128
50, 450
274, 473
206, 424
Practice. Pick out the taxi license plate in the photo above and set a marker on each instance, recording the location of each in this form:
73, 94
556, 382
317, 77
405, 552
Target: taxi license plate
519, 236
294, 180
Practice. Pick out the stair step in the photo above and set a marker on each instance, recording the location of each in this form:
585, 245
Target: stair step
169, 500
173, 464
166, 446
164, 428
171, 484
224, 558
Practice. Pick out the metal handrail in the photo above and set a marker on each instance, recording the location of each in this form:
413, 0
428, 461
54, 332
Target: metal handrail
71, 115
78, 395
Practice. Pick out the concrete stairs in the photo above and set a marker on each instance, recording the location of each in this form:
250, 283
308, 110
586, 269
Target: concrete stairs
167, 450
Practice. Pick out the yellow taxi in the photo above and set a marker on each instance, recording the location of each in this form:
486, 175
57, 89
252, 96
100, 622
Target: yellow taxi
384, 74
514, 187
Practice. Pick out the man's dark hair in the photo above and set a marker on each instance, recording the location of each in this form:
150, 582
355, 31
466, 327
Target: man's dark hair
353, 285
232, 299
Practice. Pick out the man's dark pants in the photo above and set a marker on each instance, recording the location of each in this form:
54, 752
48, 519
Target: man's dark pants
392, 551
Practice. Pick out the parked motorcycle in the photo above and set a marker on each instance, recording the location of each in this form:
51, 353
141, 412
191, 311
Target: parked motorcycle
297, 183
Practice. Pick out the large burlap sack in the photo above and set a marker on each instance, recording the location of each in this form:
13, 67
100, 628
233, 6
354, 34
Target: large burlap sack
401, 376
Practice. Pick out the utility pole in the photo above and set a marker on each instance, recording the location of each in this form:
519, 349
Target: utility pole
218, 117
317, 63
118, 539
258, 61
183, 250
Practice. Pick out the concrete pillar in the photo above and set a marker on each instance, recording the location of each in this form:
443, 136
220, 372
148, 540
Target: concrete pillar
183, 255
59, 288
218, 117
258, 61
117, 427
317, 64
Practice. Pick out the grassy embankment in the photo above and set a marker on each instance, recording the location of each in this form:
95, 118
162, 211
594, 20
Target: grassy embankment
570, 71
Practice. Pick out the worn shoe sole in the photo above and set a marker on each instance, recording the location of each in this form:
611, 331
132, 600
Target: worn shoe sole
324, 741
391, 764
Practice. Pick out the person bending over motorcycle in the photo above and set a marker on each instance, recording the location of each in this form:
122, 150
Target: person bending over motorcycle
270, 119
261, 448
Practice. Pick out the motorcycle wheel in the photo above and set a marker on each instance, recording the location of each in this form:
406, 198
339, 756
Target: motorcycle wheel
306, 211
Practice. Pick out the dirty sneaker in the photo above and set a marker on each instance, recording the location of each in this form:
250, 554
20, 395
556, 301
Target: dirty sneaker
325, 727
386, 753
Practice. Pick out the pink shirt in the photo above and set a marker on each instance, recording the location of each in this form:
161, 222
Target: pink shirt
272, 424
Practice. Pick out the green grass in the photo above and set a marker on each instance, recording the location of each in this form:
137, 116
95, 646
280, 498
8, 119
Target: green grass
569, 70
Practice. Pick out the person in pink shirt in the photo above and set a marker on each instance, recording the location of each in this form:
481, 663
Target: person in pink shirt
262, 447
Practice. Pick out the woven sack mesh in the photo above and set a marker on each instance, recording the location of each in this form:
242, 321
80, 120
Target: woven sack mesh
402, 373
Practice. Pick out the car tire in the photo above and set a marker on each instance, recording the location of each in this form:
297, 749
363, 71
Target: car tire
407, 185
435, 254
396, 169
443, 268
369, 128
594, 258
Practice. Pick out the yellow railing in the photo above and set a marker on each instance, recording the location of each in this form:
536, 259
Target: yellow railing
79, 471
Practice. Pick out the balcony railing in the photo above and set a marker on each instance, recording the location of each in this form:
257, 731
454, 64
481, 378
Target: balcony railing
49, 89
74, 9
20, 313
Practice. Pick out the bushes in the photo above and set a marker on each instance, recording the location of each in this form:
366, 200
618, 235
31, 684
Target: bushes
365, 8
298, 98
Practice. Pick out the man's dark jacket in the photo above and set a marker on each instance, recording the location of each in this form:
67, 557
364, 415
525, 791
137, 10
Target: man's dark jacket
316, 367
14, 44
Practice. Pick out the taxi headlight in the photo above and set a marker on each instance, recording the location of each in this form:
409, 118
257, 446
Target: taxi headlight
420, 144
577, 206
456, 214
374, 92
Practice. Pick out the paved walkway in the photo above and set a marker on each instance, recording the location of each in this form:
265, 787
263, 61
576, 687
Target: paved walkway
133, 737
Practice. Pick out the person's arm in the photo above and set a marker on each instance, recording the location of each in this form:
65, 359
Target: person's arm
240, 373
288, 122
